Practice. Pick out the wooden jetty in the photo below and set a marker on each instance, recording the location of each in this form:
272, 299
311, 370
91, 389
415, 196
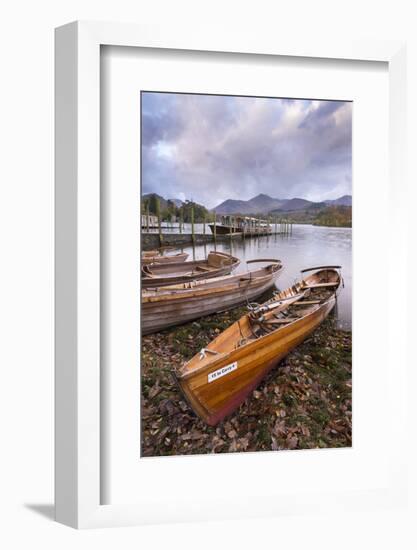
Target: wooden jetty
219, 378
222, 228
245, 225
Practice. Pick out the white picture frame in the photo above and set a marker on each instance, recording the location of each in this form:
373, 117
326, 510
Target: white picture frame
78, 411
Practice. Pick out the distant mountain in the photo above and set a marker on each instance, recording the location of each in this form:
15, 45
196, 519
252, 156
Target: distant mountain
292, 205
264, 204
177, 202
260, 204
346, 200
231, 206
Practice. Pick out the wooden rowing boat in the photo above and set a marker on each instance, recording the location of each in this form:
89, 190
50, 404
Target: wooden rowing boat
153, 257
219, 378
216, 265
172, 305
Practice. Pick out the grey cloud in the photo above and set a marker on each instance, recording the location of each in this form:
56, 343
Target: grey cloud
212, 148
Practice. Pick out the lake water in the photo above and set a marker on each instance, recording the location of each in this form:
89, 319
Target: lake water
308, 246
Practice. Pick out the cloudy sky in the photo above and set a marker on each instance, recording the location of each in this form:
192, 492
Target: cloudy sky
212, 148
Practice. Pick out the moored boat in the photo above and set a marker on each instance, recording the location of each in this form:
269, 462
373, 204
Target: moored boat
175, 304
154, 257
240, 224
216, 265
218, 379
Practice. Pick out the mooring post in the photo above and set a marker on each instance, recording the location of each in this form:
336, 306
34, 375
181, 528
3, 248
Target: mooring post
215, 227
147, 217
192, 224
158, 213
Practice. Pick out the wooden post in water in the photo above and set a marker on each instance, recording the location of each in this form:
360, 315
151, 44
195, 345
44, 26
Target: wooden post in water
204, 224
147, 217
192, 224
215, 228
158, 213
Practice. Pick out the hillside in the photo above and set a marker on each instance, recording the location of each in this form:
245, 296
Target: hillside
346, 200
335, 216
264, 204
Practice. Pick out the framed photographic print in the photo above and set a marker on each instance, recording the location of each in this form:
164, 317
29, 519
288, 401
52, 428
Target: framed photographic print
220, 321
218, 325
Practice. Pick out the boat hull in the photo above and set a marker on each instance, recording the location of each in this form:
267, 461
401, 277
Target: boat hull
224, 229
164, 310
217, 264
157, 259
214, 400
227, 230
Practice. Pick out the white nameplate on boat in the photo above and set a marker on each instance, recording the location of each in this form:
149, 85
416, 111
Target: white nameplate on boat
221, 372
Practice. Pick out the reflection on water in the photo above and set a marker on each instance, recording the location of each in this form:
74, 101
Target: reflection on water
308, 246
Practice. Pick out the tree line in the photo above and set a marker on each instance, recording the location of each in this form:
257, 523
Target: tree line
169, 211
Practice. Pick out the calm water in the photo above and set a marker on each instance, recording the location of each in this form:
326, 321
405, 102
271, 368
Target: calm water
308, 246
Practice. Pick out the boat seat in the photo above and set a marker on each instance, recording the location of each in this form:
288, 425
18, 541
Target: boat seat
306, 303
321, 285
280, 321
202, 268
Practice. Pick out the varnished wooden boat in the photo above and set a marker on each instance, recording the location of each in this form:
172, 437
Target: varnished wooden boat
216, 265
172, 305
218, 379
153, 257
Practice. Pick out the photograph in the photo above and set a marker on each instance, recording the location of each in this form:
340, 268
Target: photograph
246, 273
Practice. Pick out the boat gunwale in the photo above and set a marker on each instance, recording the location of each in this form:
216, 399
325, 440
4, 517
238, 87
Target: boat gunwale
185, 375
265, 338
170, 273
208, 286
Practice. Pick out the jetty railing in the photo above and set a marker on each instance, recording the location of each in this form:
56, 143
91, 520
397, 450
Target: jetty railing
176, 234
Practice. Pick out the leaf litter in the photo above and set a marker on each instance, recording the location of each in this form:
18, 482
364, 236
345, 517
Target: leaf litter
303, 403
